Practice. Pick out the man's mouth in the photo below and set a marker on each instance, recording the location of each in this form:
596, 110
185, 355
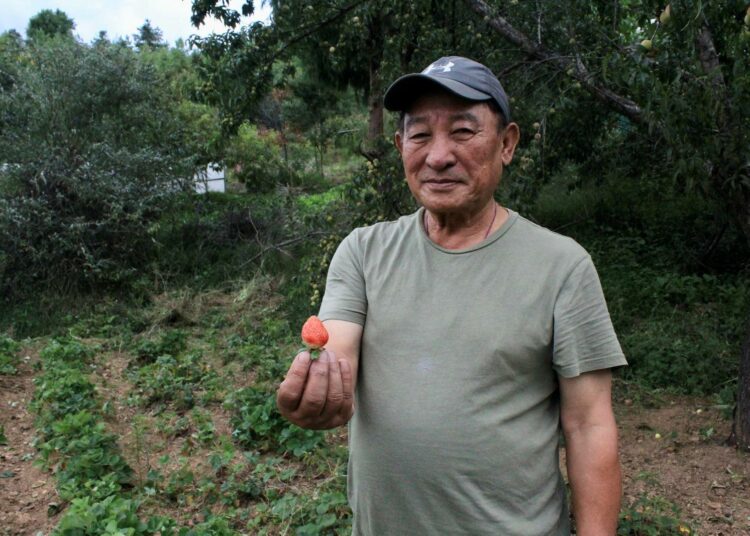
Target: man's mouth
441, 181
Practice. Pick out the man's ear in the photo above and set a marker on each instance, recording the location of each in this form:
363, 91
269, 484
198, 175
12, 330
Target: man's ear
511, 134
398, 141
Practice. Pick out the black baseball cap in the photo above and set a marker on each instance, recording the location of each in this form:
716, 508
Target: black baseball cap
461, 76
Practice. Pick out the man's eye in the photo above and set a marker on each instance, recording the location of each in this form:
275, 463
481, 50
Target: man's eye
463, 132
418, 135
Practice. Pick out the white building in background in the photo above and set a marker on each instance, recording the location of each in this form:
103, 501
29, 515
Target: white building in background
210, 179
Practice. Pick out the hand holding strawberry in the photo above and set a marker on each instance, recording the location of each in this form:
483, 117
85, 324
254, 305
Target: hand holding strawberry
318, 389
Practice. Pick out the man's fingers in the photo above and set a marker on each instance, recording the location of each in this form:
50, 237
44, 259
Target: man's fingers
316, 388
291, 389
317, 394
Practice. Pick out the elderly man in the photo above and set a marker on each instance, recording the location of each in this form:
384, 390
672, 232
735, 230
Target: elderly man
469, 337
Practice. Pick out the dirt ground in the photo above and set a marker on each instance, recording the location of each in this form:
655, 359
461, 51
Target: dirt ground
673, 451
28, 500
677, 451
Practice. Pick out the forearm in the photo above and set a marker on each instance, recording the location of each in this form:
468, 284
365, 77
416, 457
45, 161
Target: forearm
595, 478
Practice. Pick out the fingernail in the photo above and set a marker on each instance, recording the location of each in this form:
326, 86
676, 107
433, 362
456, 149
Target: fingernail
303, 357
324, 356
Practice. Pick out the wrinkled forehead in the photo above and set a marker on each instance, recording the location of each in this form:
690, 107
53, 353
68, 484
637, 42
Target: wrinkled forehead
440, 105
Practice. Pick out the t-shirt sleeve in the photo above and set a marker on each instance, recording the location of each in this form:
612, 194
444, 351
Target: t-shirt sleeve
584, 338
345, 297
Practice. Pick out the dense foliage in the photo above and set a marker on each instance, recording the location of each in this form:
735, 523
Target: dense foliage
91, 149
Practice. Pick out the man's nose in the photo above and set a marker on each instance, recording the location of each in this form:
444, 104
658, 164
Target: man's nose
441, 153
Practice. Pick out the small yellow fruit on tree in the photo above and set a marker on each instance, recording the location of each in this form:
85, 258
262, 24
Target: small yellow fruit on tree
647, 44
666, 14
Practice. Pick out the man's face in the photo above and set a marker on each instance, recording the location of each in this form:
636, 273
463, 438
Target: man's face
453, 153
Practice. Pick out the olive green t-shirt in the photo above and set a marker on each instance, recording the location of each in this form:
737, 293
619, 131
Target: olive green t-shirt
456, 422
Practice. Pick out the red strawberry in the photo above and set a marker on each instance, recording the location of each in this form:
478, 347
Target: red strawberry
314, 333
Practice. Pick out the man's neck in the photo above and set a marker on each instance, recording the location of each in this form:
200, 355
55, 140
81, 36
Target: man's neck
461, 231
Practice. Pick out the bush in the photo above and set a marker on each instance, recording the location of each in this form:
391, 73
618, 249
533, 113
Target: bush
255, 160
89, 149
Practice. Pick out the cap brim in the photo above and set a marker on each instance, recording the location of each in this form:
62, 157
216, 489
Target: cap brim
404, 91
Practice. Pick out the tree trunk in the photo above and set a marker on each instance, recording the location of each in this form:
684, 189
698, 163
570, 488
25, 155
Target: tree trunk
372, 146
375, 107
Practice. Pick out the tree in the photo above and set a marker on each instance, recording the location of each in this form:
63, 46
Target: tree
342, 43
91, 150
148, 37
48, 23
686, 84
11, 52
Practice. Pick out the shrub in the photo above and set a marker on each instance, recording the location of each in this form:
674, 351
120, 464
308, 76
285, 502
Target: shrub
255, 160
90, 147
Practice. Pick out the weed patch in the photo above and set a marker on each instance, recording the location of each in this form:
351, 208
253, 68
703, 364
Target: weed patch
174, 380
8, 355
652, 516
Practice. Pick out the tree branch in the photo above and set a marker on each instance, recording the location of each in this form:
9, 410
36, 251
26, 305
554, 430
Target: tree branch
575, 68
310, 29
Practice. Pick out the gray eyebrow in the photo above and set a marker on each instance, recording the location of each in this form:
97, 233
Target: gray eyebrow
459, 116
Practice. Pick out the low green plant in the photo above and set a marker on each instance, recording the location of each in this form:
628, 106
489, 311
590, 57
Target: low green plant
258, 424
268, 350
171, 342
652, 516
60, 392
85, 458
325, 511
174, 379
205, 430
726, 399
3, 437
110, 516
8, 355
180, 484
67, 350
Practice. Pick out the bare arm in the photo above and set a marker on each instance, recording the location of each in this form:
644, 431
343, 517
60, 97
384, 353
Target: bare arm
591, 448
320, 394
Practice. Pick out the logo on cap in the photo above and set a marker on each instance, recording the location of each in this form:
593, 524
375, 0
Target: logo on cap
445, 67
